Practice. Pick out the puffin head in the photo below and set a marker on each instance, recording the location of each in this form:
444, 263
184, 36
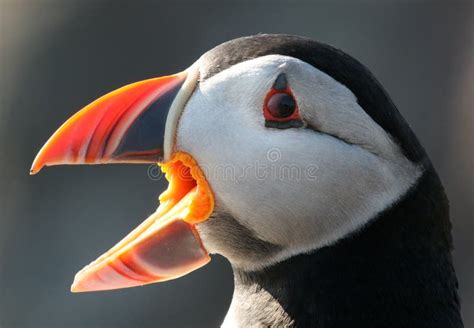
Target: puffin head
273, 146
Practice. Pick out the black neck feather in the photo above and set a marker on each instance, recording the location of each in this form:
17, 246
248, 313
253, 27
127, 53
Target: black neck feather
396, 272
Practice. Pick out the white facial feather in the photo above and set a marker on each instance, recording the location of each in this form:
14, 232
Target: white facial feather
299, 188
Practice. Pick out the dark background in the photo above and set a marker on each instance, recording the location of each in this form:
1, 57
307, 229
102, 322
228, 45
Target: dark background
57, 56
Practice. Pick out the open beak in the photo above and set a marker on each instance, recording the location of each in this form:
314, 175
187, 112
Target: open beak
136, 124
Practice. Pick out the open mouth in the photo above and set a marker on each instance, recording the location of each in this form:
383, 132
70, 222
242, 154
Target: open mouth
166, 245
136, 124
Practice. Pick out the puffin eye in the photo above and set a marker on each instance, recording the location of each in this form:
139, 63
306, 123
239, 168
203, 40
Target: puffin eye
280, 109
281, 105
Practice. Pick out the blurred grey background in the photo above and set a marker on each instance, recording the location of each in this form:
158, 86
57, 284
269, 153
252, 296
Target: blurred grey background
57, 56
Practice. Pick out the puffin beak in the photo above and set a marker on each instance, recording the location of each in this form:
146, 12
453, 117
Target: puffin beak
124, 126
134, 124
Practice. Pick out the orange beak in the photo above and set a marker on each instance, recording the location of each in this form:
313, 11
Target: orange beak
129, 125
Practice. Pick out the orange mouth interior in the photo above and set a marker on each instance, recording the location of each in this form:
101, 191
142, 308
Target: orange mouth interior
188, 198
188, 191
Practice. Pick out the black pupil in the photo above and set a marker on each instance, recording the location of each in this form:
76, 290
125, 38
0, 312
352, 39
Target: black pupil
281, 105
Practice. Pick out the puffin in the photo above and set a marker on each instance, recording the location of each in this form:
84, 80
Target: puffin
287, 157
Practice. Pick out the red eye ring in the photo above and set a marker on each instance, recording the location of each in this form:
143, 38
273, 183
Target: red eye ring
280, 105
